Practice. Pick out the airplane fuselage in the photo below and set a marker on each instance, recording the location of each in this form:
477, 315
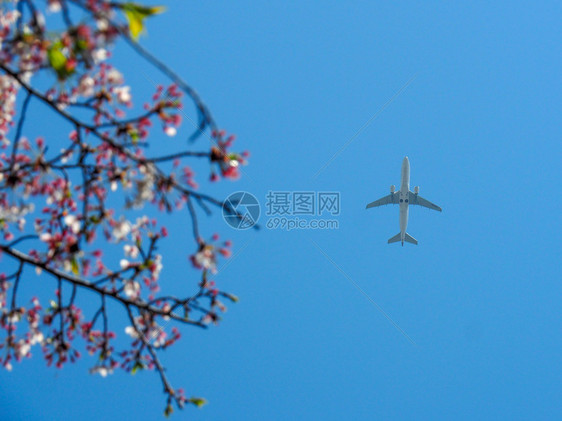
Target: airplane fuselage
404, 190
404, 198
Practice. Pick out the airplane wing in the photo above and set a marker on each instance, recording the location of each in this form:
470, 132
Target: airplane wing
416, 199
392, 198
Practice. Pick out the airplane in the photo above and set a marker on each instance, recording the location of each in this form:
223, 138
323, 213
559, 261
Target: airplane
404, 197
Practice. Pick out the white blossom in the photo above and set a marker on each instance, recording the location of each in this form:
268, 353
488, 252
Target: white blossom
144, 188
170, 131
130, 330
22, 348
102, 24
102, 371
160, 336
15, 212
67, 154
99, 55
121, 229
45, 237
115, 77
157, 268
73, 223
55, 196
37, 337
54, 6
86, 86
7, 19
123, 94
206, 259
131, 251
8, 91
14, 317
132, 289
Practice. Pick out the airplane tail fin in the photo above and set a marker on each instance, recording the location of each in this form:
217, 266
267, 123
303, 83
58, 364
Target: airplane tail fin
407, 238
394, 239
410, 239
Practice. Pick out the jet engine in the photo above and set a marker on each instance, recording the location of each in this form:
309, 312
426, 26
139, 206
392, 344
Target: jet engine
417, 189
392, 188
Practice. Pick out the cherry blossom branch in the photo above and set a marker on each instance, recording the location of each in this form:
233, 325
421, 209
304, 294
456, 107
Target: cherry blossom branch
25, 259
117, 146
66, 14
206, 118
20, 127
121, 149
179, 398
71, 190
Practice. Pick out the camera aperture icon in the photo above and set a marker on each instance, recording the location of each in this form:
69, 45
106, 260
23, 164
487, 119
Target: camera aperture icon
241, 210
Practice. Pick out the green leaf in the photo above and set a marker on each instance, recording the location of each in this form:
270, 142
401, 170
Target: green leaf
136, 14
198, 402
134, 136
168, 411
81, 45
75, 268
138, 366
57, 59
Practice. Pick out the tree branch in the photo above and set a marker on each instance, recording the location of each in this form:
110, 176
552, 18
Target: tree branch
22, 257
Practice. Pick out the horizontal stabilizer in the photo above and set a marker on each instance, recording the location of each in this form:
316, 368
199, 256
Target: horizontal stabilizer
394, 239
409, 239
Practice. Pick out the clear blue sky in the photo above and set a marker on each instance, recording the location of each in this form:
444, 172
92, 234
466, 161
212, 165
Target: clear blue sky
480, 294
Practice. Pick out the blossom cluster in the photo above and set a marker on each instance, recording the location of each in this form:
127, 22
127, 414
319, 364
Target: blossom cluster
82, 215
228, 162
8, 91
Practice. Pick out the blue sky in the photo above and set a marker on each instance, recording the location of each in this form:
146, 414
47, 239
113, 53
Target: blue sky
480, 294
